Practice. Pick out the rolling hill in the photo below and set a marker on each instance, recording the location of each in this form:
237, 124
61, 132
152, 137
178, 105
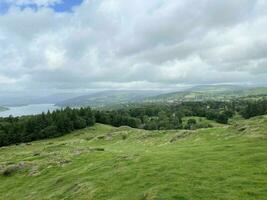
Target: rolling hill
217, 92
106, 98
21, 99
197, 93
104, 162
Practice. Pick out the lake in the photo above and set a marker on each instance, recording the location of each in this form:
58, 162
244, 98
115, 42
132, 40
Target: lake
33, 109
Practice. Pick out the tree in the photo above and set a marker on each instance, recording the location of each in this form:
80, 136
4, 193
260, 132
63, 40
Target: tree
222, 118
79, 123
191, 123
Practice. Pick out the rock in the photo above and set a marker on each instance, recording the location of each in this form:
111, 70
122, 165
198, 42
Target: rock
11, 169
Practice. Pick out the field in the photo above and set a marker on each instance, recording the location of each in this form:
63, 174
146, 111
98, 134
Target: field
103, 162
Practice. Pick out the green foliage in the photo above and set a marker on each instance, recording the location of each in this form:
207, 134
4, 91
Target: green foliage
79, 123
191, 124
162, 116
15, 130
254, 108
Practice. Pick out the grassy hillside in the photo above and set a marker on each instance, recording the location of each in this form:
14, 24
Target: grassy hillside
218, 93
103, 162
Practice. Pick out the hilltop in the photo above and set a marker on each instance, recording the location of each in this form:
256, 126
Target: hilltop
104, 162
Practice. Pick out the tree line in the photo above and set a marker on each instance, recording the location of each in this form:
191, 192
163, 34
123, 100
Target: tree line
163, 116
14, 130
254, 108
150, 116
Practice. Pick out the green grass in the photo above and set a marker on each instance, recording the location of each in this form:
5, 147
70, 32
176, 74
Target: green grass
224, 163
202, 121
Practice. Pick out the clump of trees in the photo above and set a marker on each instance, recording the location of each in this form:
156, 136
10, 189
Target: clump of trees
15, 130
254, 108
163, 116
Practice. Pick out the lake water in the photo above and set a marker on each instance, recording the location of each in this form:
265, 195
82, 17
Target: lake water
28, 110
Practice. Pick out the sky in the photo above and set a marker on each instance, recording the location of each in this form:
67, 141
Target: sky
78, 45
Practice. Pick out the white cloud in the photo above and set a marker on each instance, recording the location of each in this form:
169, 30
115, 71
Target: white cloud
121, 43
6, 80
55, 58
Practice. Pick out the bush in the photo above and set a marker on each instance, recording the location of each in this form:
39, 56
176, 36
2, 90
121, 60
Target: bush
222, 118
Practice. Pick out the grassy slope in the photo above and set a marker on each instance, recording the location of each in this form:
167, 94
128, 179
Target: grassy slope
227, 162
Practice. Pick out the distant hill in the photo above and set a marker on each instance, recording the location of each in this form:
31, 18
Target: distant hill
216, 88
111, 97
3, 109
211, 92
197, 93
21, 99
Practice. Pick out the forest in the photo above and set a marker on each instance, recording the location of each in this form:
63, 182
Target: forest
15, 130
149, 116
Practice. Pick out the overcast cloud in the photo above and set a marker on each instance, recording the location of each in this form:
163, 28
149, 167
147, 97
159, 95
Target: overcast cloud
132, 44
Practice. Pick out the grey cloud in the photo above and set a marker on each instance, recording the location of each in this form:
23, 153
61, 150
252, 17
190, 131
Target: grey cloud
127, 44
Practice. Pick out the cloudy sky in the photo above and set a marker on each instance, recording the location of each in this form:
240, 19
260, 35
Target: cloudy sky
75, 45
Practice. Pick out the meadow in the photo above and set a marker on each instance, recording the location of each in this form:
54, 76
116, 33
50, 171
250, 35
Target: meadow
226, 162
